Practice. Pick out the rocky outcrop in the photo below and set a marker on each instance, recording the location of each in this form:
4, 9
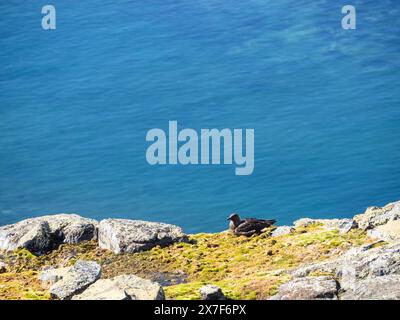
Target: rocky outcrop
376, 216
359, 264
376, 288
389, 232
125, 287
282, 230
310, 288
40, 235
326, 267
75, 280
211, 292
121, 235
343, 225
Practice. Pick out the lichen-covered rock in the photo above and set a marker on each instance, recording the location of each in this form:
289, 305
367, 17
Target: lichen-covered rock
124, 287
309, 288
42, 234
50, 276
376, 216
376, 288
122, 235
77, 279
282, 230
211, 292
304, 222
358, 264
343, 225
326, 267
388, 232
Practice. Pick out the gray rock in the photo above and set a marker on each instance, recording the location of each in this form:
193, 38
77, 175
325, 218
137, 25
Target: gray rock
309, 288
121, 235
282, 230
343, 225
389, 232
358, 264
42, 234
125, 287
3, 267
321, 267
376, 216
211, 292
77, 279
377, 288
50, 276
304, 222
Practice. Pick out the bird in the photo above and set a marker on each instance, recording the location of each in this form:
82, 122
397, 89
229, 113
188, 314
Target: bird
248, 226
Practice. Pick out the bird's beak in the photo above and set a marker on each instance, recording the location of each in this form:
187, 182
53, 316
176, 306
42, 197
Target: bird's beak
228, 219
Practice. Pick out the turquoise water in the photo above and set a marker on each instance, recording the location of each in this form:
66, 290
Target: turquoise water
76, 104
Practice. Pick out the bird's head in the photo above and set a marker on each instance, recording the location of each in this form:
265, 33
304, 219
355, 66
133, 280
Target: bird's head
234, 217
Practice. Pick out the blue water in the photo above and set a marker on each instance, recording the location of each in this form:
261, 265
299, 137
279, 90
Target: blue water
76, 104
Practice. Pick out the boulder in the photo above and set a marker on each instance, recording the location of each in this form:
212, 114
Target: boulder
50, 276
376, 288
376, 216
309, 288
75, 280
304, 222
211, 292
389, 232
122, 236
282, 230
358, 264
42, 234
125, 287
343, 225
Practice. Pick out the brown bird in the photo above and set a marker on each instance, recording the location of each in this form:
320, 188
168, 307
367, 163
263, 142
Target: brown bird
249, 226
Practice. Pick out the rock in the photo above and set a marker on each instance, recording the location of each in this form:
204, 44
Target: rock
42, 234
376, 216
121, 235
309, 288
322, 267
281, 231
50, 276
3, 267
125, 287
304, 222
77, 279
211, 292
358, 264
388, 232
377, 288
343, 225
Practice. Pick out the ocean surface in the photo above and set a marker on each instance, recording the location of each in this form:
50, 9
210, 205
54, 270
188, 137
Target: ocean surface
76, 104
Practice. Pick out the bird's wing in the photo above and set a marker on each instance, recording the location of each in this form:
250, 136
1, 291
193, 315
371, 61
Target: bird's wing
246, 226
254, 224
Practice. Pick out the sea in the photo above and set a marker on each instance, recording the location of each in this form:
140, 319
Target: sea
76, 103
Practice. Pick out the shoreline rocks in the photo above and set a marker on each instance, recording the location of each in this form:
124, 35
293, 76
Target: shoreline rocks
43, 234
128, 236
